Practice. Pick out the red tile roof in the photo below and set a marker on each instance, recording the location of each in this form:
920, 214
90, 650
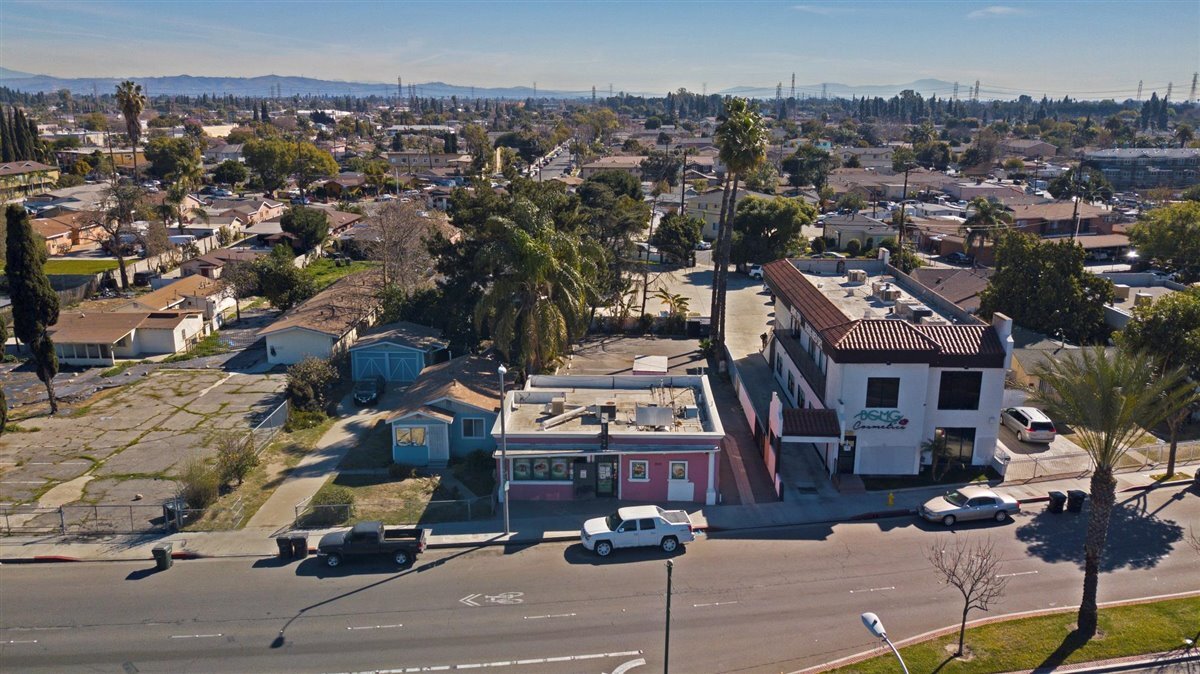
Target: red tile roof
810, 423
786, 281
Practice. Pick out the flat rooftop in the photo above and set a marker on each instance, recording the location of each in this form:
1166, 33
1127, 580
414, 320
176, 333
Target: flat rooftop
637, 404
860, 294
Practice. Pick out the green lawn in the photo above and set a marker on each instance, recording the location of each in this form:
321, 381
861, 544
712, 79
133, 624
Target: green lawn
1048, 642
70, 266
325, 272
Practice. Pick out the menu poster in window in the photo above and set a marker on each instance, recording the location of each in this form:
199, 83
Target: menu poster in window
559, 469
521, 469
541, 469
637, 470
678, 470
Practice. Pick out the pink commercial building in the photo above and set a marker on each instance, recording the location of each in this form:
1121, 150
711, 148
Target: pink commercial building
630, 437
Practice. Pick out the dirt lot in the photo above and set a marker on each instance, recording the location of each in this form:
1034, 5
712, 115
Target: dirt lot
130, 440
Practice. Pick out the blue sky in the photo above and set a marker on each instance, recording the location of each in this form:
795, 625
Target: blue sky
1085, 49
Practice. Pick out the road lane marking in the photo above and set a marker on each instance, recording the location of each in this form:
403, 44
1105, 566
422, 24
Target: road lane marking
629, 665
1018, 573
511, 663
875, 589
27, 641
374, 627
196, 636
716, 603
552, 615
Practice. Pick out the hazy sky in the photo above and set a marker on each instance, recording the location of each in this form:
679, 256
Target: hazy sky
1085, 49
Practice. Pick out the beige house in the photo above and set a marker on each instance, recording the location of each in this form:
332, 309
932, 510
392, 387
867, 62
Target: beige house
631, 164
19, 179
104, 337
328, 323
211, 298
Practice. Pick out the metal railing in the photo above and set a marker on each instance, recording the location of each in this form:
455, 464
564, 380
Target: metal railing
266, 429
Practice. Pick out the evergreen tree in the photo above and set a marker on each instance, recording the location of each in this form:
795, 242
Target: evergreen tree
35, 304
3, 400
6, 146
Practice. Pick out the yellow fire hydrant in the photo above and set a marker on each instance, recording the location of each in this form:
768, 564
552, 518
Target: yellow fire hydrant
891, 499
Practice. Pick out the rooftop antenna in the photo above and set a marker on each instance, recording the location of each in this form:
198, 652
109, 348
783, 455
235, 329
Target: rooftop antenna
1139, 94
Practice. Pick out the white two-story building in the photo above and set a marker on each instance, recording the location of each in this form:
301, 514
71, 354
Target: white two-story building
873, 365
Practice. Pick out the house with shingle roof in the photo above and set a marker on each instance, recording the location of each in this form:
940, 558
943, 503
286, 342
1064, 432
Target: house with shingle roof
447, 412
211, 298
103, 337
873, 364
328, 323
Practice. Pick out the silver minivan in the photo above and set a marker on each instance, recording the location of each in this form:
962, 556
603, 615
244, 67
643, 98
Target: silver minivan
1029, 423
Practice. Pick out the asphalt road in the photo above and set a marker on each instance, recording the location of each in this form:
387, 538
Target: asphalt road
763, 601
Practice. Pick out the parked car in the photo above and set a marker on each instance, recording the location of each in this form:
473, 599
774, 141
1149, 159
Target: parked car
959, 257
300, 201
1029, 423
704, 245
970, 503
367, 392
637, 526
756, 271
372, 539
828, 255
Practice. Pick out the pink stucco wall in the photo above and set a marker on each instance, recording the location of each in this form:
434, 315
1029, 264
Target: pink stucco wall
528, 491
655, 489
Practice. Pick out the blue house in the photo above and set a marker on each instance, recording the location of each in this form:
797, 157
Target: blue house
397, 352
447, 412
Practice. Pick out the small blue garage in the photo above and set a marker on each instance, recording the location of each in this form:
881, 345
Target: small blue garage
397, 352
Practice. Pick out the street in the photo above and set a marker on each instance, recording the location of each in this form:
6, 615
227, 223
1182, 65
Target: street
772, 600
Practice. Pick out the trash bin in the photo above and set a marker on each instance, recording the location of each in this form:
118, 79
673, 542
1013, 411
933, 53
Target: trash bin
162, 556
285, 546
299, 546
1075, 499
1057, 501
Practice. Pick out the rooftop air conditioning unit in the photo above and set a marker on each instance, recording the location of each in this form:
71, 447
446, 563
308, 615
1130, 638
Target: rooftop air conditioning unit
557, 405
691, 412
1143, 299
920, 313
1122, 291
890, 295
857, 276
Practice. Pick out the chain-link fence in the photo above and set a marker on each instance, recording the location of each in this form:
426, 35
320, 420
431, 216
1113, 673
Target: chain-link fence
102, 519
413, 512
263, 432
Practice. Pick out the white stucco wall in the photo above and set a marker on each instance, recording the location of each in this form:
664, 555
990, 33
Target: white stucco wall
287, 347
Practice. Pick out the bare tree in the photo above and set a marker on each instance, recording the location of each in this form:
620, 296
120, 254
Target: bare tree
241, 278
396, 236
122, 205
974, 570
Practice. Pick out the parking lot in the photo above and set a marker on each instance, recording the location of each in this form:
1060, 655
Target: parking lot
132, 439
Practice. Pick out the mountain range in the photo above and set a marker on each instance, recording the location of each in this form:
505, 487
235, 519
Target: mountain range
266, 85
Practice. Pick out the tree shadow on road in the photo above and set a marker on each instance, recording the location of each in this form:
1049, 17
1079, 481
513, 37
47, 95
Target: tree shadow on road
1136, 539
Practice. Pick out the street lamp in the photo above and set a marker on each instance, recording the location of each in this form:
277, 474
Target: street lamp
875, 627
503, 450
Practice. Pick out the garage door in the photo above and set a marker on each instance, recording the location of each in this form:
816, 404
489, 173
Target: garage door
394, 366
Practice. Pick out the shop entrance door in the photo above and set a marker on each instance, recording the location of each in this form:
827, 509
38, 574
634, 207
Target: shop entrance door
583, 474
606, 477
845, 460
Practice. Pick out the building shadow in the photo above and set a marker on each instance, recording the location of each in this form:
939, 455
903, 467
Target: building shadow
1136, 539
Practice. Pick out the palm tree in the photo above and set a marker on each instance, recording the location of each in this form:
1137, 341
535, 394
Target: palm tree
542, 285
1108, 398
1184, 134
132, 102
988, 217
742, 145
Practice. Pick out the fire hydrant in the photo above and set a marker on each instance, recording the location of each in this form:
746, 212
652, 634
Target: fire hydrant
891, 499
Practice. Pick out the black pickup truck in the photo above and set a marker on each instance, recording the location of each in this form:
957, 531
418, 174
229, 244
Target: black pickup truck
364, 539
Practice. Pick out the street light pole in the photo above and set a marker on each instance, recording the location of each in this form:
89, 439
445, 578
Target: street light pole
667, 644
875, 627
503, 450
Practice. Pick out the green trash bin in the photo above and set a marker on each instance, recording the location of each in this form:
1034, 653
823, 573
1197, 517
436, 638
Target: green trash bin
162, 556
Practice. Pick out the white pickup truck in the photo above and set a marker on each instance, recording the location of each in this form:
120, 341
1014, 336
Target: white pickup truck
637, 526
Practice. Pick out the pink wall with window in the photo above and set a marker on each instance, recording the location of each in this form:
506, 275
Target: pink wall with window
530, 491
655, 488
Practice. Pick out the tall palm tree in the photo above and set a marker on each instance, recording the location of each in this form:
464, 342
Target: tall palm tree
1108, 398
543, 281
1185, 134
132, 101
988, 217
741, 141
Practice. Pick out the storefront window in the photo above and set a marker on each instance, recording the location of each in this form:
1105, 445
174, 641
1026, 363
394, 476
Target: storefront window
541, 468
679, 470
960, 443
639, 471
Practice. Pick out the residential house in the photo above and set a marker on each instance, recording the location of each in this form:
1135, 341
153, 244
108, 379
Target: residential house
410, 161
1134, 289
631, 164
448, 412
250, 211
345, 183
1056, 218
211, 263
225, 152
873, 364
707, 207
20, 179
868, 157
211, 298
632, 437
860, 227
326, 324
69, 232
89, 198
101, 338
967, 190
1146, 168
1027, 148
396, 352
960, 286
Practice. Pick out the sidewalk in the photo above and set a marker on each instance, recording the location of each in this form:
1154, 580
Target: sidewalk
532, 524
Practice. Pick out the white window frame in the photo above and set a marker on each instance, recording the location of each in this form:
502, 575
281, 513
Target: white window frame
645, 472
671, 471
482, 428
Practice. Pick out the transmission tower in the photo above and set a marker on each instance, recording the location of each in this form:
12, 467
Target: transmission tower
704, 88
793, 96
610, 89
593, 94
824, 92
535, 89
399, 88
1139, 95
955, 97
778, 92
975, 97
1192, 96
1169, 87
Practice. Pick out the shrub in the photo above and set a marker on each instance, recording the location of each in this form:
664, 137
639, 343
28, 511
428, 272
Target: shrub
402, 471
333, 504
299, 420
199, 485
235, 457
309, 382
853, 248
818, 245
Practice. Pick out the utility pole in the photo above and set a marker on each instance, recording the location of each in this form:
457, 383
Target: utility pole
683, 183
667, 644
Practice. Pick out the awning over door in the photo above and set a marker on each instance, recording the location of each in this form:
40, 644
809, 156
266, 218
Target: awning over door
810, 425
